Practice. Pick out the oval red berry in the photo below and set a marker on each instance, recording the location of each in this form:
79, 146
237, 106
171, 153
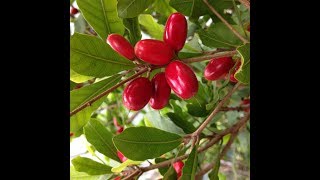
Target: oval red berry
218, 68
176, 30
178, 167
121, 46
181, 79
153, 51
137, 93
161, 91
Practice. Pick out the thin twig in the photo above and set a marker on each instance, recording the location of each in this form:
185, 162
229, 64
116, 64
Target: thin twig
132, 117
132, 175
225, 22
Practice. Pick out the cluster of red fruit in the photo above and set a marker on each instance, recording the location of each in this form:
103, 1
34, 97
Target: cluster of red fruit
177, 76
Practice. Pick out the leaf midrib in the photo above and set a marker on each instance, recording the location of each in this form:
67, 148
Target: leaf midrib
121, 13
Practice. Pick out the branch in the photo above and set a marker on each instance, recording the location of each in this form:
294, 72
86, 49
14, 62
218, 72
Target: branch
246, 3
234, 132
215, 111
132, 117
225, 22
107, 91
208, 57
213, 141
132, 175
239, 108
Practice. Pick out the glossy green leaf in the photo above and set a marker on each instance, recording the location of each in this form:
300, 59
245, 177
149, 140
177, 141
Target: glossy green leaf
102, 16
243, 73
151, 27
101, 139
91, 56
75, 175
171, 174
132, 8
219, 36
193, 8
181, 122
133, 27
78, 78
141, 143
154, 119
163, 7
190, 166
89, 166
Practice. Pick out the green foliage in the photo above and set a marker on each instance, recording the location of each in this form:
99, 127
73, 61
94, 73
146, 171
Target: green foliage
141, 143
90, 166
102, 16
151, 27
170, 174
190, 166
243, 73
133, 28
132, 8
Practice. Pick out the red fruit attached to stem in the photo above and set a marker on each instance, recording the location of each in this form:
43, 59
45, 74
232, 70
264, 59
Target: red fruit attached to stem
121, 156
121, 46
175, 33
161, 91
153, 51
119, 129
73, 10
218, 68
117, 178
178, 167
137, 93
181, 79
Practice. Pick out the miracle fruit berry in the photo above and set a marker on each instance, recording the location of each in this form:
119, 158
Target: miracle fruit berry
175, 33
181, 79
178, 167
137, 93
74, 11
161, 91
218, 68
153, 51
121, 46
121, 156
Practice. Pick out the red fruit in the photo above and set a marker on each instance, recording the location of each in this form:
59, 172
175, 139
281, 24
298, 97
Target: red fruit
121, 156
248, 28
120, 129
181, 79
218, 68
121, 46
175, 33
245, 102
137, 93
74, 11
232, 78
153, 51
178, 167
161, 91
117, 178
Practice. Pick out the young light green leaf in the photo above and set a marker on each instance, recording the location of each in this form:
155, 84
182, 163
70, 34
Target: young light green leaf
182, 123
190, 166
171, 174
125, 164
102, 16
151, 27
75, 175
219, 36
98, 136
133, 27
243, 73
132, 8
78, 78
90, 56
89, 166
141, 143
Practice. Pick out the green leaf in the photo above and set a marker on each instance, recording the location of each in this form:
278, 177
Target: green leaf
197, 105
214, 173
193, 46
219, 36
91, 56
72, 85
78, 78
190, 167
243, 73
151, 27
123, 165
182, 123
89, 166
101, 139
75, 175
163, 7
132, 8
71, 1
171, 174
192, 8
102, 16
162, 170
154, 119
132, 26
141, 143
80, 24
